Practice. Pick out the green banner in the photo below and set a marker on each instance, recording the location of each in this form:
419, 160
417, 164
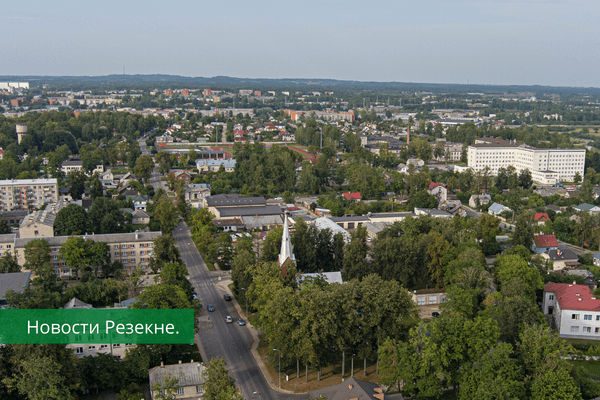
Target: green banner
97, 326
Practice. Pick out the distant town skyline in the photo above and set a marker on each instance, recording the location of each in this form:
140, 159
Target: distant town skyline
496, 42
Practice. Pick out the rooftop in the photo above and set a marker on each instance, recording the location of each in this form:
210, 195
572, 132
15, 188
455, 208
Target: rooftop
573, 297
107, 238
232, 200
545, 241
249, 211
16, 281
187, 374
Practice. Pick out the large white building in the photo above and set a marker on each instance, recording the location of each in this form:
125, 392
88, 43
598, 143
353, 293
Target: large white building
574, 309
547, 166
25, 194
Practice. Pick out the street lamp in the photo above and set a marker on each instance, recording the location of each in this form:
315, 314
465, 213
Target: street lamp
279, 367
246, 296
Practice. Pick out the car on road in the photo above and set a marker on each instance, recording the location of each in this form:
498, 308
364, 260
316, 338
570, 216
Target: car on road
210, 308
227, 297
241, 322
228, 319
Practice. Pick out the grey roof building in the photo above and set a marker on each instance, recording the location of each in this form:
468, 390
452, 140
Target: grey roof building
16, 281
189, 378
227, 212
233, 200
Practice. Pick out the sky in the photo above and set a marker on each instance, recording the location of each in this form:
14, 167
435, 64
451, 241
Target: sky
497, 42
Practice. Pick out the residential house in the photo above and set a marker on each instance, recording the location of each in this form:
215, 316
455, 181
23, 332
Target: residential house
562, 258
541, 218
140, 217
453, 207
228, 224
195, 193
496, 209
350, 389
544, 243
417, 162
427, 297
483, 200
189, 379
71, 165
590, 208
355, 196
402, 168
554, 208
588, 276
574, 309
439, 191
37, 224
433, 212
181, 175
204, 166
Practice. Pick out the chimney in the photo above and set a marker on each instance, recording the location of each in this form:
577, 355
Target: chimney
179, 361
350, 387
162, 365
574, 282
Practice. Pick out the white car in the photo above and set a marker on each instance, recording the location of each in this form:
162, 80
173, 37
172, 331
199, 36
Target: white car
228, 319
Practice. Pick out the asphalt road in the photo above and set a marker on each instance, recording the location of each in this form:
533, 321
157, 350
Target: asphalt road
221, 339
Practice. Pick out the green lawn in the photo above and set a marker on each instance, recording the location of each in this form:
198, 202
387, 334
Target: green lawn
592, 367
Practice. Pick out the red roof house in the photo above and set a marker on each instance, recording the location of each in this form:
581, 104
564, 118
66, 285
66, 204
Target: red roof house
352, 196
541, 217
542, 243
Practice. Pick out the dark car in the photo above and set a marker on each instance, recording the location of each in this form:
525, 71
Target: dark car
435, 314
227, 297
241, 322
210, 308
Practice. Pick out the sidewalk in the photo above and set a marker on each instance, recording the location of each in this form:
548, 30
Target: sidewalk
223, 283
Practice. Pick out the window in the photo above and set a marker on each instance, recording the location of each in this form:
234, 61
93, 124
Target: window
180, 391
91, 347
574, 329
550, 297
587, 317
128, 344
199, 389
421, 300
117, 345
587, 329
575, 316
123, 246
116, 254
432, 299
79, 350
597, 317
103, 346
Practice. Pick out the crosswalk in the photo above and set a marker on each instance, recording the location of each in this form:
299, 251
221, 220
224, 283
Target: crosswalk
205, 284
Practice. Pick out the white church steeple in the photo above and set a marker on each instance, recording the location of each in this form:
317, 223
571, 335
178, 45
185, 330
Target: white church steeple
286, 243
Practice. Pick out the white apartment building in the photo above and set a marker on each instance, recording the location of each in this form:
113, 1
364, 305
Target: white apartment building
574, 309
24, 194
547, 166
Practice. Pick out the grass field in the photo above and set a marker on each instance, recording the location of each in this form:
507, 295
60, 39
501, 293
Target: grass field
592, 367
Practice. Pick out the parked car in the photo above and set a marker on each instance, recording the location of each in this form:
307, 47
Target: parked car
435, 314
227, 297
210, 308
228, 319
241, 322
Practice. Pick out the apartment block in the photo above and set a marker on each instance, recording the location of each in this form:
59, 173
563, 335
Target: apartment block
132, 249
25, 194
547, 166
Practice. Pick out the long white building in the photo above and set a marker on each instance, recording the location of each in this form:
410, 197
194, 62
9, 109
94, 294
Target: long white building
547, 166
